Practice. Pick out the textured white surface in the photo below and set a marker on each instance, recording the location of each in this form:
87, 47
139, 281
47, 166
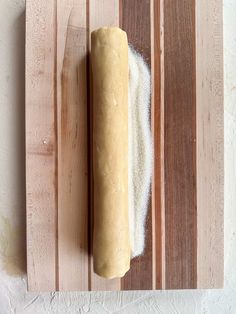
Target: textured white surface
140, 149
13, 295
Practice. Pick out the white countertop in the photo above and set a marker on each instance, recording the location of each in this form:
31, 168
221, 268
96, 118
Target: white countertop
13, 295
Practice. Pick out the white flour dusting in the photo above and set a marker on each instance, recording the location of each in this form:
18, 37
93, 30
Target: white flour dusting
140, 149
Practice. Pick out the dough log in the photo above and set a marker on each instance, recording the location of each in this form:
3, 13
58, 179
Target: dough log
111, 239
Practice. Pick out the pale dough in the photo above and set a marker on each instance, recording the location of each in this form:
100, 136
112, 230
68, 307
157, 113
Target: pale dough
111, 238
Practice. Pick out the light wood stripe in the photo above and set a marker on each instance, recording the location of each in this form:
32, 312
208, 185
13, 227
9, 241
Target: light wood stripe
158, 186
41, 196
210, 143
72, 145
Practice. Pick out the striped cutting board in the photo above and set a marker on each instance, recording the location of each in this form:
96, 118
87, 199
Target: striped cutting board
182, 43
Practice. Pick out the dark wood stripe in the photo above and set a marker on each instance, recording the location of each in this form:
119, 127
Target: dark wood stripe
180, 144
135, 20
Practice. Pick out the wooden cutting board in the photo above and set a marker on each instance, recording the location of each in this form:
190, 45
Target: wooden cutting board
182, 43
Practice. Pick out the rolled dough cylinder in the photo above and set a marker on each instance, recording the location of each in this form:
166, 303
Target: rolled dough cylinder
111, 239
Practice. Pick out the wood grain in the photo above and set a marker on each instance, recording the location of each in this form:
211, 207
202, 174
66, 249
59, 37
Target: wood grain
136, 22
180, 144
72, 146
41, 198
210, 144
182, 43
158, 188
